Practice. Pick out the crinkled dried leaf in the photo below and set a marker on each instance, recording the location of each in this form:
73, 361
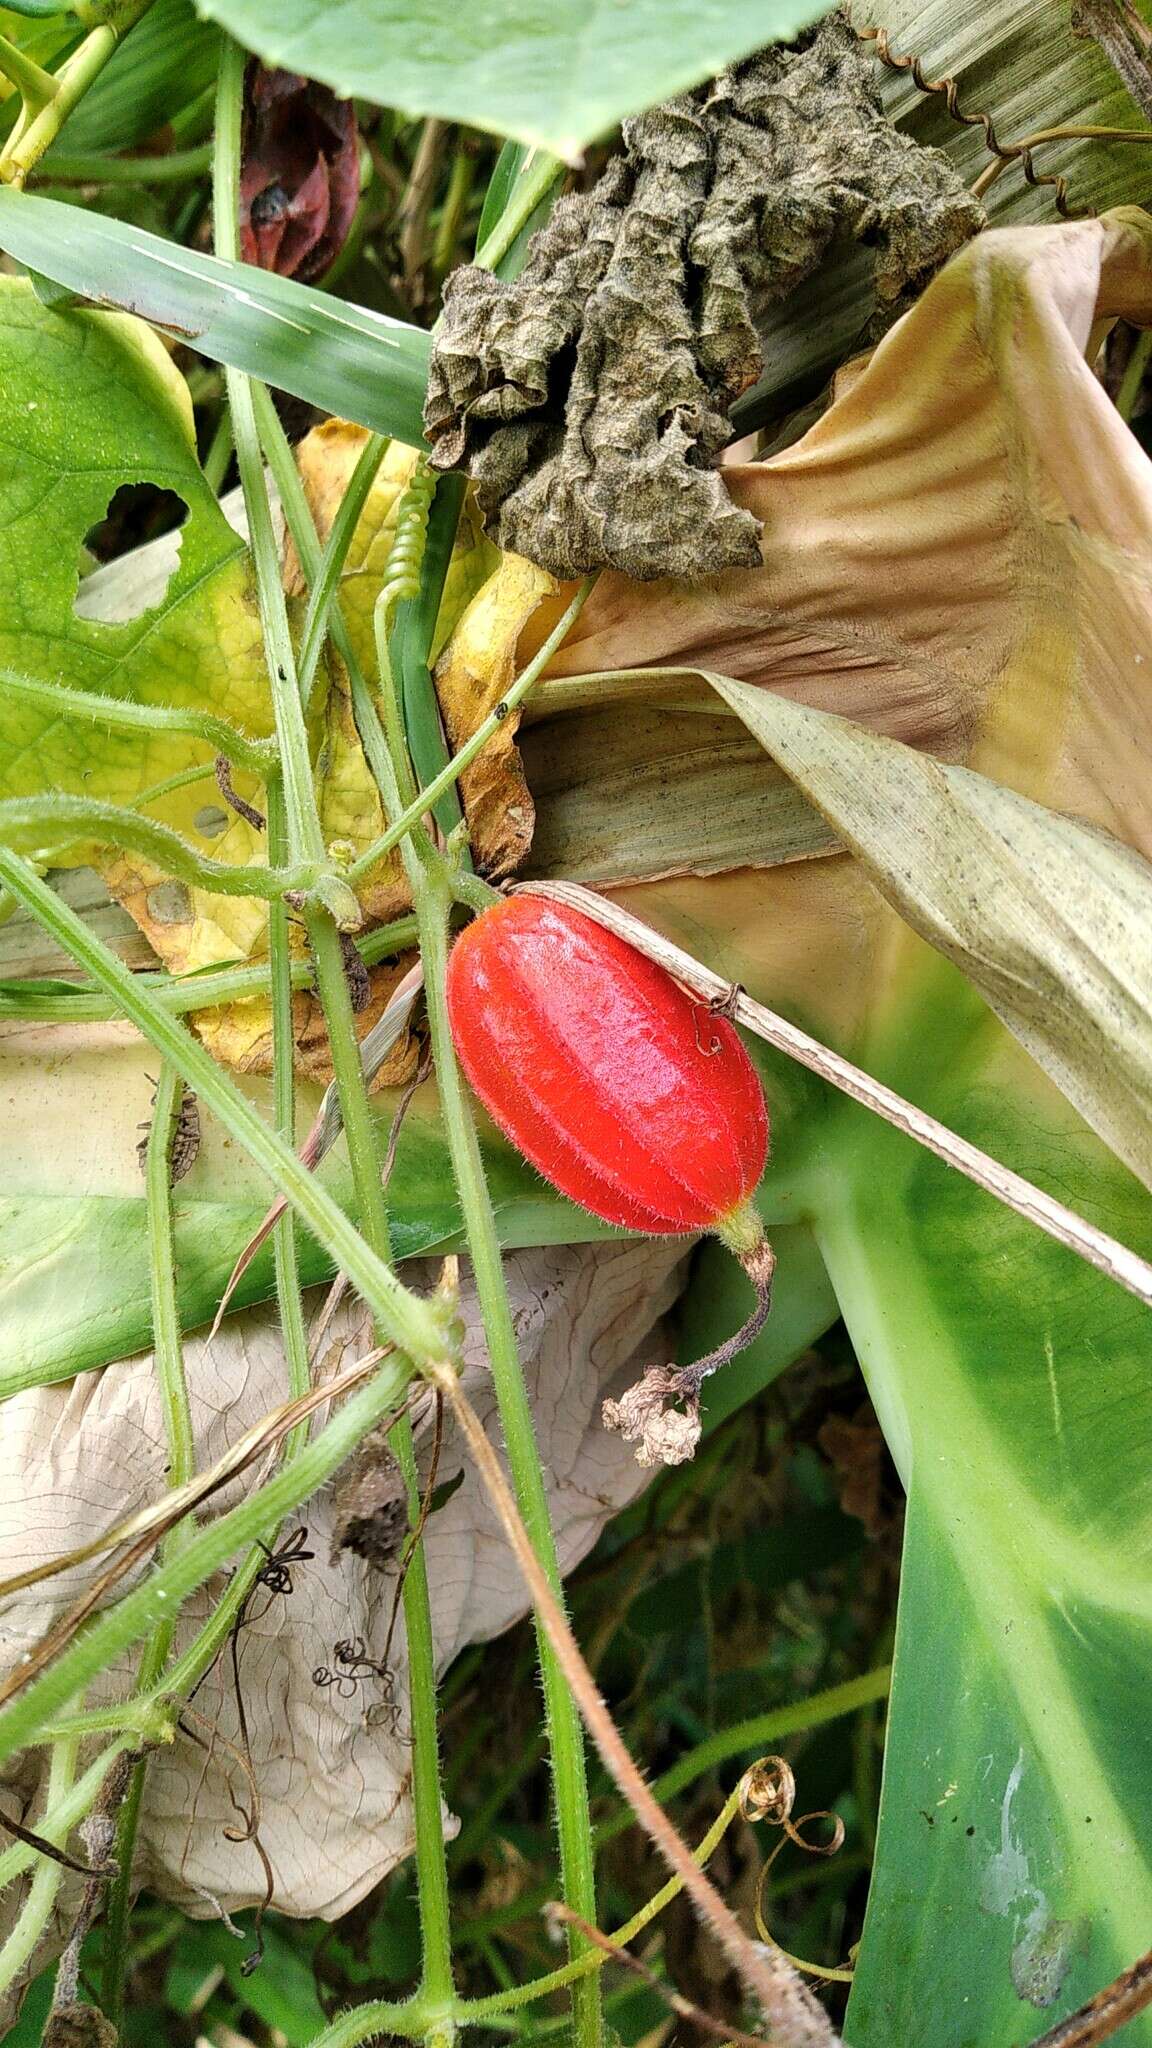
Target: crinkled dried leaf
333, 1771
636, 311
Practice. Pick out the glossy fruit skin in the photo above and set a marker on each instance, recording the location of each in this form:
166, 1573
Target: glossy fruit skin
633, 1100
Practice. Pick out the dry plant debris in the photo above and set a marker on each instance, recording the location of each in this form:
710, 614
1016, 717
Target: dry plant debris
589, 399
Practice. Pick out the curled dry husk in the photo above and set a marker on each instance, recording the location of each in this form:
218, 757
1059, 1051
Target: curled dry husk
589, 398
331, 1761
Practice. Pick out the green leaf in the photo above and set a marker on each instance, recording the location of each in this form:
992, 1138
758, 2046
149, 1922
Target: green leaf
93, 404
1051, 920
339, 357
556, 76
163, 63
1011, 1877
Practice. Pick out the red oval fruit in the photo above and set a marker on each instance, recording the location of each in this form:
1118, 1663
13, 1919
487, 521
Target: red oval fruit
632, 1099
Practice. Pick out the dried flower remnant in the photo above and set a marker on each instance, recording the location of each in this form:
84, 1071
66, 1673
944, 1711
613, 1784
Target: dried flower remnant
299, 175
589, 398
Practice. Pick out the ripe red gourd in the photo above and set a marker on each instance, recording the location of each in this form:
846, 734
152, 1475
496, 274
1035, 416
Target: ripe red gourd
631, 1098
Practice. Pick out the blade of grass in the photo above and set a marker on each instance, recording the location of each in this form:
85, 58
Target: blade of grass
335, 355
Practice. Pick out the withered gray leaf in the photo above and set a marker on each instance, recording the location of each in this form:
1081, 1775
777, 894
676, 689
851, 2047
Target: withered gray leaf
589, 398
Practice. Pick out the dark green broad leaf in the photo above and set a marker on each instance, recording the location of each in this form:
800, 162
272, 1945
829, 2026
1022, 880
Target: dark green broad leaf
339, 357
555, 76
1014, 1384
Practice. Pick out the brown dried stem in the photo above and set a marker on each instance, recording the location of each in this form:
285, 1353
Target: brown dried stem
1104, 2015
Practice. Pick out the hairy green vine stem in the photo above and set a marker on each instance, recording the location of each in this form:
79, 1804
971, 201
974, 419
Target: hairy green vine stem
54, 823
365, 1160
288, 1296
432, 791
168, 1358
36, 1912
124, 714
67, 1003
433, 898
326, 582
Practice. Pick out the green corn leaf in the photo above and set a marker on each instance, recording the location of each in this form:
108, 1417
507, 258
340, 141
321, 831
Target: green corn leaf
337, 356
555, 77
1011, 1879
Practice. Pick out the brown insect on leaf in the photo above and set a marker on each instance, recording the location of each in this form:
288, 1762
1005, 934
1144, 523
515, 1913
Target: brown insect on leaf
185, 1138
589, 398
371, 1503
299, 175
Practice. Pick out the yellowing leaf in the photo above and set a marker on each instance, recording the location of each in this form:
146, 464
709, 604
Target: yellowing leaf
473, 674
92, 403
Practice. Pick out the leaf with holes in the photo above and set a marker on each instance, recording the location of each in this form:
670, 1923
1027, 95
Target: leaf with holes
98, 423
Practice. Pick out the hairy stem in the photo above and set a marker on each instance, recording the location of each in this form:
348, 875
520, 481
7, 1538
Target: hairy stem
288, 1299
566, 1745
58, 1002
124, 714
326, 581
58, 822
168, 1358
434, 790
36, 1911
365, 1161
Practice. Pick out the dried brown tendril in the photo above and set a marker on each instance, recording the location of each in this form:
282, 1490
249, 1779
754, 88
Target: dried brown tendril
767, 1792
589, 398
